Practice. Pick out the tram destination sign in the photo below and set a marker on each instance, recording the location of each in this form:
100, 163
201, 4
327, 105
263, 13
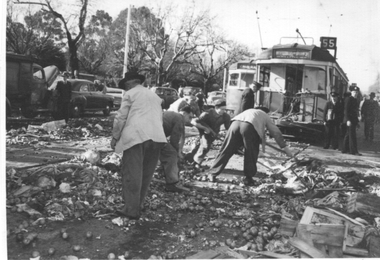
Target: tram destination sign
290, 54
246, 66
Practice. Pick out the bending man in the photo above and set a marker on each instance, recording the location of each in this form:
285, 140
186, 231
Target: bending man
248, 130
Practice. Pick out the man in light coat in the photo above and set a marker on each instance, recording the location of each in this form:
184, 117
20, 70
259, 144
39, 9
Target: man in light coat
139, 135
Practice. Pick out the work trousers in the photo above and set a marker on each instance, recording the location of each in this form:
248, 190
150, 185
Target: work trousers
63, 108
332, 134
239, 134
201, 151
138, 165
169, 161
349, 142
369, 125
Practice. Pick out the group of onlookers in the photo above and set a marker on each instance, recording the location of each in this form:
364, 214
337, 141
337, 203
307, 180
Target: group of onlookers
341, 117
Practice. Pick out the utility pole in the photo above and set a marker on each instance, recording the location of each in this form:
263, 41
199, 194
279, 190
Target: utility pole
126, 48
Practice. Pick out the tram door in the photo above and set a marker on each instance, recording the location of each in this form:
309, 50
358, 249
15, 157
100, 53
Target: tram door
293, 85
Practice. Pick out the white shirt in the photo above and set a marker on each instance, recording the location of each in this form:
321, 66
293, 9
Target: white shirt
261, 121
139, 119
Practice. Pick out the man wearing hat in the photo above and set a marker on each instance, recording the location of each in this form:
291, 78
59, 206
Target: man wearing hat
138, 134
64, 89
369, 112
209, 123
247, 129
332, 117
351, 119
248, 97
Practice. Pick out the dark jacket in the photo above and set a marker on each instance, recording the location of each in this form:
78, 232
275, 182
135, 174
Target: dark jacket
64, 91
336, 112
247, 101
351, 110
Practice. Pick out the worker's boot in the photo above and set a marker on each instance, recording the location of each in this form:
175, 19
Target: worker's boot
173, 187
248, 181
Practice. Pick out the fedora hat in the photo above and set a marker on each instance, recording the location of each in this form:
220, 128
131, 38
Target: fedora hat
259, 85
130, 75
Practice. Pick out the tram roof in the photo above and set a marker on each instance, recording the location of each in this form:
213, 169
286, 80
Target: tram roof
317, 53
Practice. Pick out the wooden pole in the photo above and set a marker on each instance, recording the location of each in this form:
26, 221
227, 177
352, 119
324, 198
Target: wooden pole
126, 49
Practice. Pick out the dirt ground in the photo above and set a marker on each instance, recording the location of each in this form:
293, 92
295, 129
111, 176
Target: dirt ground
172, 225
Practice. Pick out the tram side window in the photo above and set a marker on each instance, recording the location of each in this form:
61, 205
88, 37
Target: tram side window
264, 76
234, 77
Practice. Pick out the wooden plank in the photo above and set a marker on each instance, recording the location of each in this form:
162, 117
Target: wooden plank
313, 215
275, 255
356, 251
287, 226
325, 234
306, 248
247, 253
209, 254
225, 250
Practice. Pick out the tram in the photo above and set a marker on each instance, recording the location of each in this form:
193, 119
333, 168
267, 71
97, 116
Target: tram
240, 76
297, 80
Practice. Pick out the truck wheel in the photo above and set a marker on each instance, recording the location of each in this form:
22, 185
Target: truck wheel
76, 111
29, 112
107, 110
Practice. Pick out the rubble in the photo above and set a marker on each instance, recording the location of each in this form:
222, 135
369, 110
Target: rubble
227, 219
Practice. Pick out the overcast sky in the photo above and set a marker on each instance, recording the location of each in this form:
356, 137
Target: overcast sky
355, 23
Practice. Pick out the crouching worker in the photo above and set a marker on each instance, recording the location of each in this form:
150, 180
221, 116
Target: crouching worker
208, 124
139, 135
247, 129
174, 128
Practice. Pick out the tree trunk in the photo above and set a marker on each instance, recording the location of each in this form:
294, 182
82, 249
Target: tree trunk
74, 62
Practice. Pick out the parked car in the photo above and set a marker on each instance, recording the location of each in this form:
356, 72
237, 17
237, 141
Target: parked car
117, 93
214, 96
86, 98
168, 95
191, 91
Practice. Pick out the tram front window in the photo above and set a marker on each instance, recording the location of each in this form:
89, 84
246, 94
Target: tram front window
234, 78
246, 79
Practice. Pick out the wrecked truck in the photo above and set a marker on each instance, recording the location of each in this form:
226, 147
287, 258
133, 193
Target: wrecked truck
27, 85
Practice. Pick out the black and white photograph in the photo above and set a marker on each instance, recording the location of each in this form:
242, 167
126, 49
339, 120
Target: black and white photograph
200, 129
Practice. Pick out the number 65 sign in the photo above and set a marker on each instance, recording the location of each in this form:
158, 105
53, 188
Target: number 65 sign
328, 42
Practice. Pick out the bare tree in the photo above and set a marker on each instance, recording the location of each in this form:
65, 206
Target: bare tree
74, 38
218, 53
171, 43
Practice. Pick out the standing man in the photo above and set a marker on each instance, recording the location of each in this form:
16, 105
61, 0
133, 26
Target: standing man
139, 135
332, 117
248, 97
174, 128
351, 119
248, 130
64, 90
369, 111
209, 124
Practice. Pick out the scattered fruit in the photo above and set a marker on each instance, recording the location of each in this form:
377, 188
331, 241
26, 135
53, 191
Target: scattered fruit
77, 248
111, 256
51, 251
65, 235
35, 254
88, 234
